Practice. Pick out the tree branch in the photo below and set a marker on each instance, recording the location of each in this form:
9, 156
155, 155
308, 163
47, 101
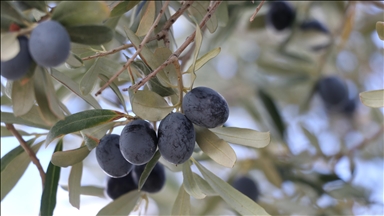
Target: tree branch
27, 149
105, 53
126, 65
176, 54
256, 11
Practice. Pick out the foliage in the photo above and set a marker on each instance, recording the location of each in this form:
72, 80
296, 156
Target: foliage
127, 62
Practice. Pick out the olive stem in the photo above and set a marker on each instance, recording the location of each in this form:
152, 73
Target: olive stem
28, 150
256, 11
176, 54
141, 45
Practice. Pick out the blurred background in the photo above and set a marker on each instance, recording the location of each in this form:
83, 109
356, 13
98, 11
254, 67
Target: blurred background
323, 159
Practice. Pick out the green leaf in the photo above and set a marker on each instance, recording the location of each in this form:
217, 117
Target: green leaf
380, 29
45, 97
89, 191
217, 149
73, 61
122, 205
10, 46
274, 113
204, 186
10, 118
147, 19
80, 121
374, 99
170, 74
93, 135
243, 136
149, 105
222, 14
198, 10
14, 169
6, 159
10, 15
147, 56
154, 83
115, 89
189, 182
39, 5
23, 97
90, 34
148, 169
48, 198
237, 200
74, 87
69, 157
70, 13
122, 8
74, 184
182, 203
6, 133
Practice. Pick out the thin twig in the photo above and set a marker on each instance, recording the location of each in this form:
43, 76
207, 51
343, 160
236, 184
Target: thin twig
27, 149
142, 44
173, 19
256, 11
104, 53
176, 54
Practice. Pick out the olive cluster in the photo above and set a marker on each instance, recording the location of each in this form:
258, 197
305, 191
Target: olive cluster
118, 155
48, 46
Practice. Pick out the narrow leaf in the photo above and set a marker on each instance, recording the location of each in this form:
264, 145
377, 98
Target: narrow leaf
89, 191
10, 15
204, 186
82, 120
70, 13
14, 169
148, 169
6, 159
182, 203
147, 19
74, 87
122, 205
204, 59
115, 89
48, 198
189, 182
10, 118
23, 97
273, 112
243, 136
149, 105
90, 34
222, 14
198, 10
374, 99
170, 75
123, 7
217, 149
146, 55
74, 184
70, 157
6, 133
73, 61
234, 198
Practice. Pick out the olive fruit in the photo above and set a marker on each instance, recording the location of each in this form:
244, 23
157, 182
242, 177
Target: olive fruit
117, 187
247, 186
49, 44
109, 157
332, 91
155, 180
205, 107
280, 15
176, 138
18, 66
138, 142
